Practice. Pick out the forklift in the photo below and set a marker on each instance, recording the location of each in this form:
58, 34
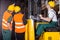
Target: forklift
34, 8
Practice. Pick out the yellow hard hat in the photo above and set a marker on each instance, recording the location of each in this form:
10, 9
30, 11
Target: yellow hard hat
11, 7
17, 9
51, 3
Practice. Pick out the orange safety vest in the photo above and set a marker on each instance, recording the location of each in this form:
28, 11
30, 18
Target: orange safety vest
6, 15
19, 26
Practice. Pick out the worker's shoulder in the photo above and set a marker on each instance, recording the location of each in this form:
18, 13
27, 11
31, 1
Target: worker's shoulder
19, 14
7, 13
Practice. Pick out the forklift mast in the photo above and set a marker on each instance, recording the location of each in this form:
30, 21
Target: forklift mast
29, 8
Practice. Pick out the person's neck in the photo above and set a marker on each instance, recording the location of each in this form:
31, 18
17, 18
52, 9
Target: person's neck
49, 8
8, 11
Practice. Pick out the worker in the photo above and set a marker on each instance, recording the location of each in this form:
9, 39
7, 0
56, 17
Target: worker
19, 26
52, 19
6, 25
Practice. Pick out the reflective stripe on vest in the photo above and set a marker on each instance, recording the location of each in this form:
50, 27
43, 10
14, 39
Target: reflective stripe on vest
4, 24
19, 23
19, 26
4, 21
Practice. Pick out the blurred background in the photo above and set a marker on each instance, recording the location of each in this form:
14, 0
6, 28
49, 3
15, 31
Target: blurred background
37, 7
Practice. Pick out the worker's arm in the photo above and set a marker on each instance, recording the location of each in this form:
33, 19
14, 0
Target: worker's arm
50, 16
9, 19
46, 19
9, 22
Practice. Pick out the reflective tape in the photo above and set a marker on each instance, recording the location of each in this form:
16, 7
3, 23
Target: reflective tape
4, 21
18, 23
4, 24
19, 26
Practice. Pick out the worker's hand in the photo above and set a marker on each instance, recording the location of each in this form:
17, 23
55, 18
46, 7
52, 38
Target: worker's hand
58, 12
9, 27
8, 24
40, 16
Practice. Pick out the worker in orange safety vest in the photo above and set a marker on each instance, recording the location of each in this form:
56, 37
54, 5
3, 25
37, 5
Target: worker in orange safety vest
6, 25
19, 26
